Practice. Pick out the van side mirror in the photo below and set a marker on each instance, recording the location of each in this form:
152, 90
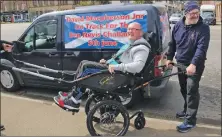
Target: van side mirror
18, 46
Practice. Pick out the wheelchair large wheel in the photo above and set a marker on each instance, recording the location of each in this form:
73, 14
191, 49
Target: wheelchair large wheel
109, 109
91, 101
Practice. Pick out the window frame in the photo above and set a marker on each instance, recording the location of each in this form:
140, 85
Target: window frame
35, 48
22, 38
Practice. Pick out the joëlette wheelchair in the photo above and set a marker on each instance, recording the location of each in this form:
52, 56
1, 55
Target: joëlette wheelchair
107, 89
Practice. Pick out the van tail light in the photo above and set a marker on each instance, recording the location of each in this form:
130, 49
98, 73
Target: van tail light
157, 71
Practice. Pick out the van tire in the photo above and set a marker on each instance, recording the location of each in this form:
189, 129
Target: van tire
12, 83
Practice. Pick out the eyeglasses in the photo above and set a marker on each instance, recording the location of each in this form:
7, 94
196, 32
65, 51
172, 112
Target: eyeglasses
194, 13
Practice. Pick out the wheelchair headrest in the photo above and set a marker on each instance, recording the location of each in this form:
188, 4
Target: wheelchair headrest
148, 36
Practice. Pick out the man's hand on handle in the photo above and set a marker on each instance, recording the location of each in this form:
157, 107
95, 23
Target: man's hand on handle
7, 47
191, 69
169, 64
102, 61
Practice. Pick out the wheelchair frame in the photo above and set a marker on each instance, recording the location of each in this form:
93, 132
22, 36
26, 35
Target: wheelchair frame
139, 122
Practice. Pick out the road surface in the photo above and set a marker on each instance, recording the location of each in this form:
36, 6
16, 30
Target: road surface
27, 117
169, 101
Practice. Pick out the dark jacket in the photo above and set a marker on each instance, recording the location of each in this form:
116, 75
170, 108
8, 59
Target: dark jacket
1, 47
190, 42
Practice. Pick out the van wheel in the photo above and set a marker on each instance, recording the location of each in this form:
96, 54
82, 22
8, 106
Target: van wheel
134, 98
8, 80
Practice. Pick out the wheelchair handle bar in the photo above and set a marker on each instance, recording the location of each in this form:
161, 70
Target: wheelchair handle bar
158, 78
42, 68
49, 77
173, 64
79, 79
33, 65
45, 68
38, 74
162, 77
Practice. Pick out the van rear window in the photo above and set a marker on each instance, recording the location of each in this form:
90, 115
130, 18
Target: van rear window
100, 30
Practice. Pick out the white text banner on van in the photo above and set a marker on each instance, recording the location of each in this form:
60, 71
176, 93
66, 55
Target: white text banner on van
100, 30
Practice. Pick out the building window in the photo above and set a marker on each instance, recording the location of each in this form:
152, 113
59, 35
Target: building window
14, 6
45, 3
52, 3
34, 2
65, 2
76, 2
2, 6
40, 2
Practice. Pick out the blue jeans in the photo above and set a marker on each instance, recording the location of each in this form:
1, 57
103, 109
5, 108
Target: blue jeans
85, 64
85, 68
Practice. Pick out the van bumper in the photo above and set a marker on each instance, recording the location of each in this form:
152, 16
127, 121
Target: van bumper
156, 91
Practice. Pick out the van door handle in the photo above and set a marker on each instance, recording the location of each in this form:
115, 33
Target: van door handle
53, 54
69, 55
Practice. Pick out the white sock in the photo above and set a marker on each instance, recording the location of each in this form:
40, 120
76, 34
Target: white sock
75, 101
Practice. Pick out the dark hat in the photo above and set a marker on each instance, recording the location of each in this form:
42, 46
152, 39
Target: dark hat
190, 5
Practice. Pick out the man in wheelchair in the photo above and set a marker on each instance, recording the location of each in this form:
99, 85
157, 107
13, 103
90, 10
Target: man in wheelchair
130, 58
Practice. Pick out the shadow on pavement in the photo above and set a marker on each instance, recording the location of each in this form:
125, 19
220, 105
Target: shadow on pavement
165, 104
149, 131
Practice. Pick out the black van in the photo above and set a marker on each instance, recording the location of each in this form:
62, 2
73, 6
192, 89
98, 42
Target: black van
61, 40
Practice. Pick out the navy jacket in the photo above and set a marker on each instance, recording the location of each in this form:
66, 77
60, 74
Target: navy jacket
190, 42
1, 47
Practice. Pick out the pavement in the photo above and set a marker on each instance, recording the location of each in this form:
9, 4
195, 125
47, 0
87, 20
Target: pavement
23, 116
164, 106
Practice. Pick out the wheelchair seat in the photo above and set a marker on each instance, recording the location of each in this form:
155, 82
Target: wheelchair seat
105, 82
147, 69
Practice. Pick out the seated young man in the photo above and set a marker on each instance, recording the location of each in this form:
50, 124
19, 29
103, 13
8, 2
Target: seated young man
131, 59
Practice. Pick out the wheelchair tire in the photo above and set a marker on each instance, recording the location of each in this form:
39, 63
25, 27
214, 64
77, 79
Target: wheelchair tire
139, 122
122, 110
89, 102
92, 99
87, 107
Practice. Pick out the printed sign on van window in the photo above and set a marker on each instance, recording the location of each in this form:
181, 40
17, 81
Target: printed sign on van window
100, 30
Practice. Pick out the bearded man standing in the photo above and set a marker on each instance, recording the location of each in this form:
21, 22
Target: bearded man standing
190, 39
